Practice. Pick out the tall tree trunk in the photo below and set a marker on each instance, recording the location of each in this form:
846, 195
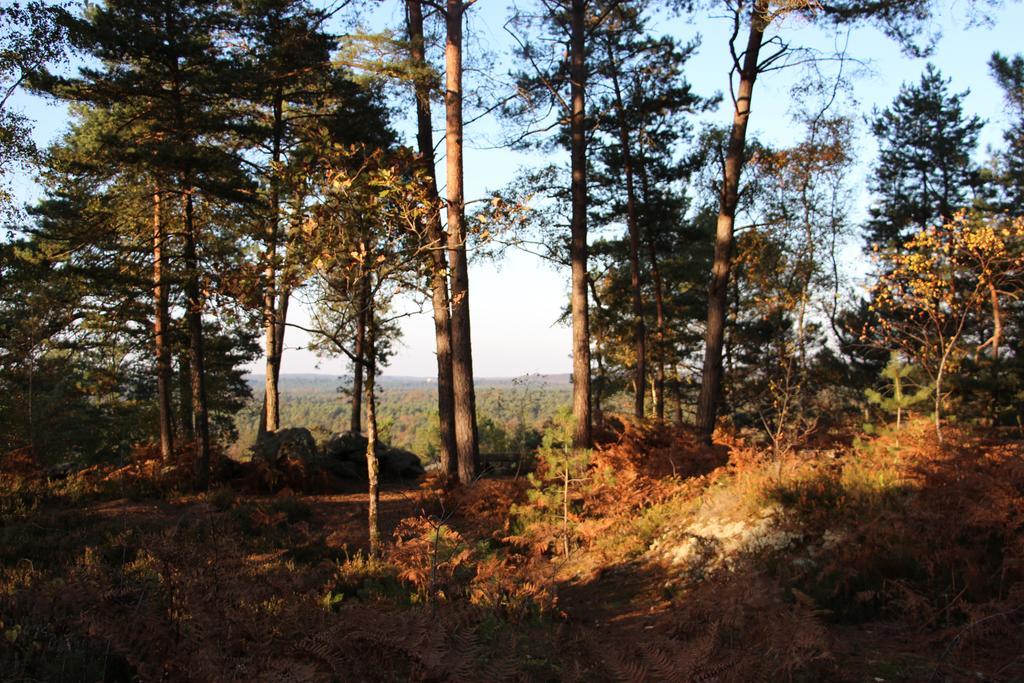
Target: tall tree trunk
439, 263
633, 225
161, 323
660, 346
32, 399
187, 417
281, 320
659, 392
711, 378
597, 387
270, 421
194, 314
462, 351
372, 465
597, 396
358, 369
578, 229
677, 394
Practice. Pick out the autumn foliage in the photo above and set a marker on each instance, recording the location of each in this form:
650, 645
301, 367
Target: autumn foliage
727, 564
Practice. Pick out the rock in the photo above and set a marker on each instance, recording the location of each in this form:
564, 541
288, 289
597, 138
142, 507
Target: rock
345, 456
346, 446
399, 464
294, 443
713, 542
343, 469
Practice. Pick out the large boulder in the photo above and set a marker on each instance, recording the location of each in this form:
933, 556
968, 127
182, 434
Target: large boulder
294, 443
343, 469
348, 446
396, 463
346, 452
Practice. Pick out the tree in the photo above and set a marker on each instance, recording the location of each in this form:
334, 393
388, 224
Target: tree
86, 387
160, 67
578, 230
928, 290
897, 400
161, 323
751, 67
897, 18
787, 273
104, 220
635, 172
37, 307
439, 287
1009, 73
466, 438
366, 242
30, 37
290, 101
924, 170
284, 58
555, 86
632, 221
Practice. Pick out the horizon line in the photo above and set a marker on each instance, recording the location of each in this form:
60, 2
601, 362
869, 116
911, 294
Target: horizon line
433, 377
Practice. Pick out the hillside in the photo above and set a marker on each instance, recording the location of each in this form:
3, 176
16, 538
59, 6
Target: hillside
891, 560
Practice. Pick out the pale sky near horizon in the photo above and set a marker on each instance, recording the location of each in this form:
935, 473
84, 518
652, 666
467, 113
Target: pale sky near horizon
515, 303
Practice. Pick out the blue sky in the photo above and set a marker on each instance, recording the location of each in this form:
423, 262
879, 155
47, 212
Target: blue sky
514, 307
515, 303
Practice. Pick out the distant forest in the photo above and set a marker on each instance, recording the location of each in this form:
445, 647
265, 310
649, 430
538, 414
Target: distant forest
512, 412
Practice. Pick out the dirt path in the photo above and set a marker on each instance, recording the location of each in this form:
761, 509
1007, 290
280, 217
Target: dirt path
344, 515
625, 599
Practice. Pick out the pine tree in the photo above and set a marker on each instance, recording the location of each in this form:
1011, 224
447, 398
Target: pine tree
1009, 73
553, 91
100, 221
924, 171
159, 67
439, 285
636, 176
464, 393
896, 400
292, 102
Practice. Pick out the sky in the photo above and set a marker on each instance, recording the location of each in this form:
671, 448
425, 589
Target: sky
515, 304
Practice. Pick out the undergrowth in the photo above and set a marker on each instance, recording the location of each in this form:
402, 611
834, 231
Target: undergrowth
659, 561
